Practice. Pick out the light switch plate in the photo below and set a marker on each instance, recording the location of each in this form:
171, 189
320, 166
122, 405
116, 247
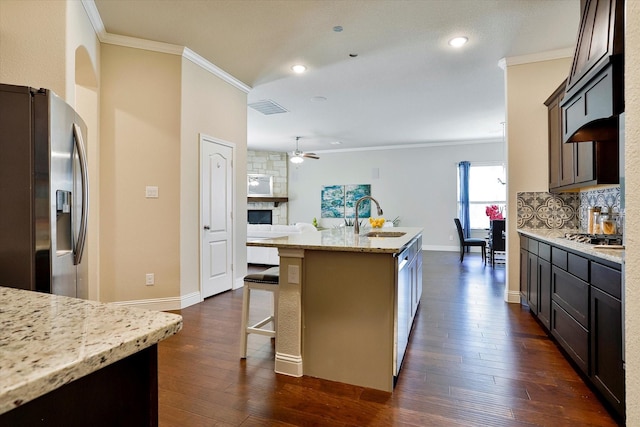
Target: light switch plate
293, 274
151, 192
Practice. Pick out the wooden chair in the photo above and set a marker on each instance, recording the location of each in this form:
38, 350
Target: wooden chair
466, 242
266, 281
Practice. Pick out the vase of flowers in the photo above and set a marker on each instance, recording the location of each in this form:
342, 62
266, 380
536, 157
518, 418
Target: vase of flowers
494, 212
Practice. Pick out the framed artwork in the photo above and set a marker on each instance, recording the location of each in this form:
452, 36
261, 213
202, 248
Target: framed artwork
339, 201
332, 203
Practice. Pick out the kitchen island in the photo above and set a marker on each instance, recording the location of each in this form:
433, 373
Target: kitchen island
347, 303
67, 361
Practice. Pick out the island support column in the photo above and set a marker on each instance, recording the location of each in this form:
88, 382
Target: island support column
289, 335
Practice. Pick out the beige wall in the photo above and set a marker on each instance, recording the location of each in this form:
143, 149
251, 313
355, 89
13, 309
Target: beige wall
216, 109
24, 58
140, 146
632, 208
527, 87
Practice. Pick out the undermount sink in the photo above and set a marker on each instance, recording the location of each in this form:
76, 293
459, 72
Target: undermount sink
385, 234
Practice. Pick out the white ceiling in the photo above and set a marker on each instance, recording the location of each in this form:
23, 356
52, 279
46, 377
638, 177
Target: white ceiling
406, 85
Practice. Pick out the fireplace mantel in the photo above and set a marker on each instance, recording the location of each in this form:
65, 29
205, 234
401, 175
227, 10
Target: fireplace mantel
275, 200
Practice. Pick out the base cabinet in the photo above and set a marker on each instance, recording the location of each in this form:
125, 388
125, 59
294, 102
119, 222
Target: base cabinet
578, 299
607, 371
544, 286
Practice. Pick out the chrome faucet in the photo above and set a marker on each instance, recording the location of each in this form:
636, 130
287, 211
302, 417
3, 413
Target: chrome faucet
356, 226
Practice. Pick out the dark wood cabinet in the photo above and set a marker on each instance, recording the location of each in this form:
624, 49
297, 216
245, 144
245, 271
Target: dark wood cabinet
544, 291
524, 275
574, 165
561, 158
595, 86
578, 299
607, 370
532, 295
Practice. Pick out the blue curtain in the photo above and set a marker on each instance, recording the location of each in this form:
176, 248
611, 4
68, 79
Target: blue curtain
463, 171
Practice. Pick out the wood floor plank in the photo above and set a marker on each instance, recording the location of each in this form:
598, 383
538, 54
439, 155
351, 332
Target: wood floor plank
473, 360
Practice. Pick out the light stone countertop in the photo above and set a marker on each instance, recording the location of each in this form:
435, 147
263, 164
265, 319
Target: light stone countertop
556, 237
47, 341
343, 240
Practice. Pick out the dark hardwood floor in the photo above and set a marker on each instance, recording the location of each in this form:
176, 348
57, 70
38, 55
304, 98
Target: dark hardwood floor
473, 360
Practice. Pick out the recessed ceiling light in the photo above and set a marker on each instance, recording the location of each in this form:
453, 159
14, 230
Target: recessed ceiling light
338, 28
458, 41
335, 143
299, 68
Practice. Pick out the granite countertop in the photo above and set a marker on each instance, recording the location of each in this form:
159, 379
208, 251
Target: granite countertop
343, 240
47, 341
556, 237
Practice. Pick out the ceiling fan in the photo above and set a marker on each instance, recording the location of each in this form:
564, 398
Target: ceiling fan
298, 156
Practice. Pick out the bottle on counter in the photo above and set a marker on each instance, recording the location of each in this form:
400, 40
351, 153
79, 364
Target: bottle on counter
608, 223
596, 222
593, 220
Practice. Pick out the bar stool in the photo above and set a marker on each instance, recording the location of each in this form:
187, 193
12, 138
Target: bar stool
266, 281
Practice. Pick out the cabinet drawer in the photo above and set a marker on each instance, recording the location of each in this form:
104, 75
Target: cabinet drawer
572, 294
533, 246
578, 266
559, 257
606, 279
524, 242
571, 336
544, 251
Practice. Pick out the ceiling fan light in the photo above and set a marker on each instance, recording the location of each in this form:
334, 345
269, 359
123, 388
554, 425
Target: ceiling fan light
296, 159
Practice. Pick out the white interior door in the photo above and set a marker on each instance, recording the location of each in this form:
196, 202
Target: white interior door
216, 176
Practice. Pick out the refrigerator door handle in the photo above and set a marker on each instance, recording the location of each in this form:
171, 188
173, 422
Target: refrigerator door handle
82, 157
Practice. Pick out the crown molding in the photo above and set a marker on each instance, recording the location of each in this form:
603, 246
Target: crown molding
215, 70
154, 46
536, 57
409, 146
94, 18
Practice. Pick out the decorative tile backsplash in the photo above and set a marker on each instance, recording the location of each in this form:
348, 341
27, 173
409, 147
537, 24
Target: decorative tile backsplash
541, 210
546, 210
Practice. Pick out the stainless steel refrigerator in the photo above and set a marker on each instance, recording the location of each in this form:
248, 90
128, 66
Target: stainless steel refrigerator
44, 193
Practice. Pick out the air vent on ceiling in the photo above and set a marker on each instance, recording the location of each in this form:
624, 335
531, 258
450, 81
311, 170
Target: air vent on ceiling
267, 107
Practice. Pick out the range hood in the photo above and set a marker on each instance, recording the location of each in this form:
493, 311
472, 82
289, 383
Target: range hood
594, 97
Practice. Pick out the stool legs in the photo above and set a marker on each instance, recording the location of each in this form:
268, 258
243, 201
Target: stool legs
257, 328
246, 300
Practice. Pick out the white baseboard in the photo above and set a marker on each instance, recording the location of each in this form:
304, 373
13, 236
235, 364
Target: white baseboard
441, 248
512, 297
164, 304
190, 299
287, 364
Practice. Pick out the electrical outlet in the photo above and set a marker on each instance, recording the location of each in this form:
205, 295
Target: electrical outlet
150, 279
451, 237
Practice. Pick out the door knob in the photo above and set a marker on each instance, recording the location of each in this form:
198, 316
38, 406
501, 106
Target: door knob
206, 227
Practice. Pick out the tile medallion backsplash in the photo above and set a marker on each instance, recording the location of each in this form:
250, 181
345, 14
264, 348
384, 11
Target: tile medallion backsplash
546, 210
540, 210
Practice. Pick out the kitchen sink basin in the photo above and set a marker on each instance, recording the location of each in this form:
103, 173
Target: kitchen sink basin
385, 234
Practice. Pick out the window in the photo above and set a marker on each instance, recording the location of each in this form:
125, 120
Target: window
486, 187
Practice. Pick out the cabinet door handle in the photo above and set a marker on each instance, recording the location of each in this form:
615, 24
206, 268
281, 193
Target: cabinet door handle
206, 227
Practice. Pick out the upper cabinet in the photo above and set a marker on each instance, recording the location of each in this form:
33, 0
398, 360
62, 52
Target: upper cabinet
595, 88
571, 165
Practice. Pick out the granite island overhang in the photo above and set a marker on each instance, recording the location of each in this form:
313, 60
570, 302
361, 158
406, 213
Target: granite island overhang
346, 304
99, 359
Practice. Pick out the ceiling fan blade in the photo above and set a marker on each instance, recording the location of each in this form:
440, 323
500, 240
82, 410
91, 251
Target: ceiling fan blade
310, 155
